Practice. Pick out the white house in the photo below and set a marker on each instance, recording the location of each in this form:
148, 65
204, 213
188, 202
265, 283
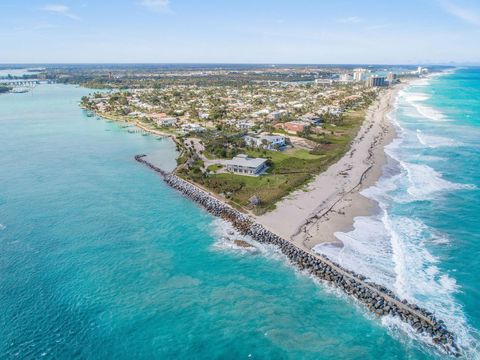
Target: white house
276, 115
244, 165
166, 121
270, 142
244, 125
260, 113
192, 127
332, 110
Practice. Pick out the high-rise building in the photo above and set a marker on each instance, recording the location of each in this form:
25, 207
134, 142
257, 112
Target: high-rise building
359, 74
345, 78
374, 81
421, 70
391, 77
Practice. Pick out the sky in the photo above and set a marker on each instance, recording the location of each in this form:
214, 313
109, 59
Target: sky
240, 31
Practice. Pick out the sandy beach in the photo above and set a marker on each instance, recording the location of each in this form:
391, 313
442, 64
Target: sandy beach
330, 203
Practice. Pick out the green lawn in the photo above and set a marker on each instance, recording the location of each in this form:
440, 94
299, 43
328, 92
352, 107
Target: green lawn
302, 154
277, 156
214, 167
269, 188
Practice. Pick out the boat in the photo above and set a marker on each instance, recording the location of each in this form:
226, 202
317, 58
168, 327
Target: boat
19, 90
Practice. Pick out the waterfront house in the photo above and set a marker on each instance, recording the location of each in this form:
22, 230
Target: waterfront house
192, 127
165, 121
264, 141
244, 165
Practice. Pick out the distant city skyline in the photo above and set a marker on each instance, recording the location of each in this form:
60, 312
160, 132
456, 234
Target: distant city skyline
187, 31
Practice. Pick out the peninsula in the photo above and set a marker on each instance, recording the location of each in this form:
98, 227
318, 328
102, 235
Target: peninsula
291, 176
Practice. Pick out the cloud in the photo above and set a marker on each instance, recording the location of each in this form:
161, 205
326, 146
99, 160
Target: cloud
61, 10
156, 5
350, 20
466, 14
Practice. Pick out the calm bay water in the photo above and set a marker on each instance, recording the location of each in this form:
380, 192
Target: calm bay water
99, 259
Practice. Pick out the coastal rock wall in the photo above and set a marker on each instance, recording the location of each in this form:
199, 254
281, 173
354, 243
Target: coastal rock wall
375, 297
140, 159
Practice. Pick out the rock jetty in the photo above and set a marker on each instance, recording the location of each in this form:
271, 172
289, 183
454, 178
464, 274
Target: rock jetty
380, 300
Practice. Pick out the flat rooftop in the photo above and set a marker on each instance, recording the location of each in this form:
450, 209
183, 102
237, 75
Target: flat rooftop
245, 161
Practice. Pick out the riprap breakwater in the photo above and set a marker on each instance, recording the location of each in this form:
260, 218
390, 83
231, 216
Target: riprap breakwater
375, 297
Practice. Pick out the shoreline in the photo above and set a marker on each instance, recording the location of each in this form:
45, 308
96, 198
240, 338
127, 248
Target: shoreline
332, 200
376, 132
137, 124
378, 299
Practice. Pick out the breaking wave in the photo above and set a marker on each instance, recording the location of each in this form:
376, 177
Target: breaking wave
434, 142
425, 182
396, 250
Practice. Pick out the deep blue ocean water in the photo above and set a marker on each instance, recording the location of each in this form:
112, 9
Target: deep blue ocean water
99, 259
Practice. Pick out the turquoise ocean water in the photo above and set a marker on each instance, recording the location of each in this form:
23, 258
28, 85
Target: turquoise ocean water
99, 259
424, 242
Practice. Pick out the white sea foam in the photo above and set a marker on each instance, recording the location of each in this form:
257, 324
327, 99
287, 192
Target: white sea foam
433, 142
2, 227
421, 82
428, 112
404, 333
416, 101
393, 251
396, 250
225, 235
425, 182
411, 96
365, 250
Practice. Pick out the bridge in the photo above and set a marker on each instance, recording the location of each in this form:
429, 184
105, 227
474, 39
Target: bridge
19, 82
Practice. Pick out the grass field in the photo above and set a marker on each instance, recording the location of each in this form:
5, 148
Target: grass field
214, 167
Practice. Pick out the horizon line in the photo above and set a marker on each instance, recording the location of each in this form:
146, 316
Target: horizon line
453, 63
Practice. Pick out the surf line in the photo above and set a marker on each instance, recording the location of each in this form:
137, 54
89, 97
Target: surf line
378, 299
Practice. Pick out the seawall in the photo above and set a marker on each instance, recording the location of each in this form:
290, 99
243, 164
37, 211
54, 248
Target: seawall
376, 298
